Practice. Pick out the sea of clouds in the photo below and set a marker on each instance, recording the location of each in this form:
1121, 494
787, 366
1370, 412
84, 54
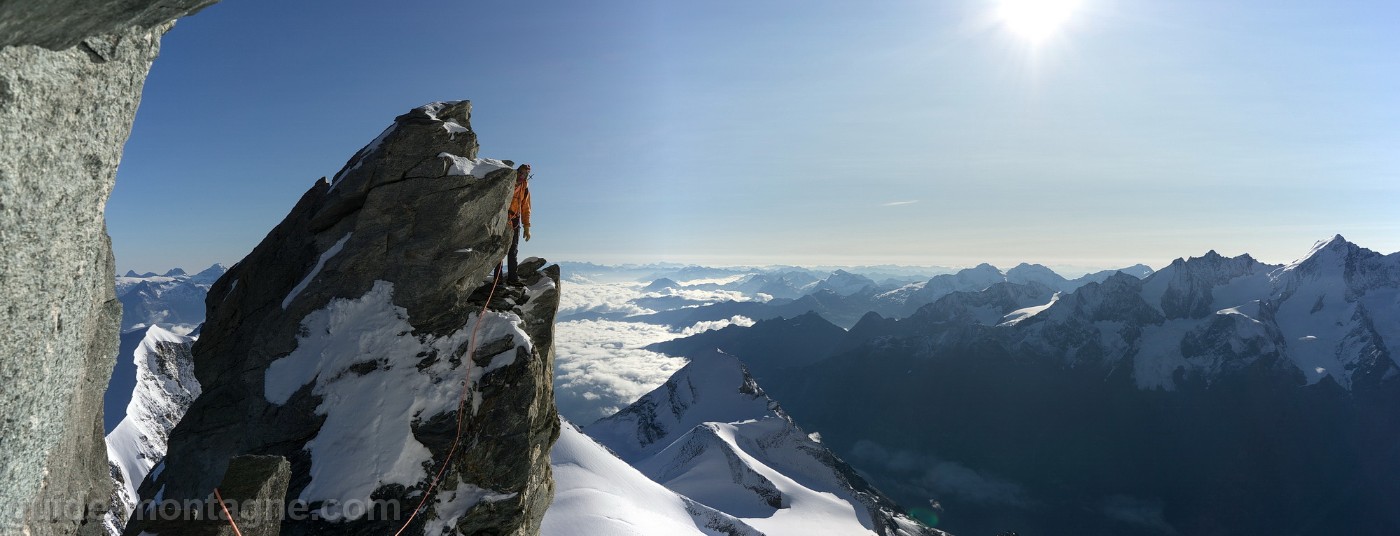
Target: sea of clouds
600, 365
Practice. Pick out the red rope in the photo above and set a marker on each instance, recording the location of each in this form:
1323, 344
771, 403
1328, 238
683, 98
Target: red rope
226, 514
461, 404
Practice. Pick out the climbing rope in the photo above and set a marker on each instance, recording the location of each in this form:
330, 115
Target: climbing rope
461, 405
227, 515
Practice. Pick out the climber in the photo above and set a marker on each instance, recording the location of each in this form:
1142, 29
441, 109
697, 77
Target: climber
519, 214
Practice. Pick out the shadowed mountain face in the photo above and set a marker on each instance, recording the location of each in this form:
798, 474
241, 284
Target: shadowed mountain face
772, 346
1041, 442
1217, 396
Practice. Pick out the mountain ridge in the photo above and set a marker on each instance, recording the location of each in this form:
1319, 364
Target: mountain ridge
1185, 397
712, 434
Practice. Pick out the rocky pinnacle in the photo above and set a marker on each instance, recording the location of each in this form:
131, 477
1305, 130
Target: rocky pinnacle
341, 344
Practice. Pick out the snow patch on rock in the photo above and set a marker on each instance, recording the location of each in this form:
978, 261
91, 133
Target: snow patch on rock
320, 263
360, 354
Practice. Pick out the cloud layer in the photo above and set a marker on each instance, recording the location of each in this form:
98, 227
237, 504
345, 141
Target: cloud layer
600, 366
701, 327
580, 295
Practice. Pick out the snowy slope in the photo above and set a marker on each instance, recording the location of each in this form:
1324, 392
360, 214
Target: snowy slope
1014, 317
595, 493
987, 307
165, 386
694, 395
711, 434
1339, 312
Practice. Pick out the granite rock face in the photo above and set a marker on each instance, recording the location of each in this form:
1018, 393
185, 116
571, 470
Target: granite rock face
64, 117
61, 24
251, 493
362, 341
262, 480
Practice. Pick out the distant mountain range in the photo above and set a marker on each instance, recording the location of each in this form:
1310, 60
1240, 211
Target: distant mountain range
175, 297
1216, 396
173, 300
844, 297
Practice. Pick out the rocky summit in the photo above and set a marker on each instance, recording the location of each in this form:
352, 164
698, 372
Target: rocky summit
364, 342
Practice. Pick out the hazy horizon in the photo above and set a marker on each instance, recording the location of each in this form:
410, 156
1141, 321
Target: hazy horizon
1069, 271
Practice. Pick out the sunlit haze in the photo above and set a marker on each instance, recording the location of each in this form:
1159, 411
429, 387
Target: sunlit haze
1094, 133
1035, 20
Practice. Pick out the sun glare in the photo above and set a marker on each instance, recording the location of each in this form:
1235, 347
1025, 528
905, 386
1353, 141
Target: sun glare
1035, 20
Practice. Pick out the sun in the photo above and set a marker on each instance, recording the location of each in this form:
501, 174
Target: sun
1035, 20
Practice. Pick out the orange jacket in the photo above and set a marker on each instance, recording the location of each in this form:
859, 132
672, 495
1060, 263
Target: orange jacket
520, 204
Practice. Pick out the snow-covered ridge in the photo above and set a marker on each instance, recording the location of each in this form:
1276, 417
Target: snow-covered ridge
1333, 314
165, 387
714, 390
598, 493
711, 435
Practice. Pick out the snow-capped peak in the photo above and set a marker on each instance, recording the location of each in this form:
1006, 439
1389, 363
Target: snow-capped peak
715, 388
713, 436
1338, 308
1325, 253
209, 275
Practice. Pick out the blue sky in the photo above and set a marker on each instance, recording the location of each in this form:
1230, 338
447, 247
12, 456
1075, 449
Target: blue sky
741, 132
